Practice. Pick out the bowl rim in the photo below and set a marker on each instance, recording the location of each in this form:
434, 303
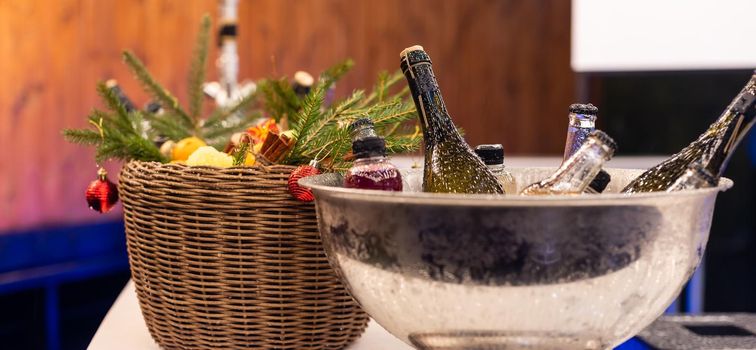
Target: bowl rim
505, 200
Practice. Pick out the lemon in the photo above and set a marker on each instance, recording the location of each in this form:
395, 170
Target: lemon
210, 156
250, 159
186, 147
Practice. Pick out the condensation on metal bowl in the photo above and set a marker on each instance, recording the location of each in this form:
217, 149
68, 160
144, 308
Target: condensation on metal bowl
447, 271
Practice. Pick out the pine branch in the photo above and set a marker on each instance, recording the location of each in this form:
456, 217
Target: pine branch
138, 147
403, 143
334, 73
333, 115
306, 118
280, 99
240, 153
82, 136
168, 126
168, 101
382, 87
119, 116
115, 139
222, 114
392, 113
197, 69
224, 130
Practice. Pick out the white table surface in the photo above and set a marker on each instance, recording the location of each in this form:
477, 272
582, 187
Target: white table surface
124, 329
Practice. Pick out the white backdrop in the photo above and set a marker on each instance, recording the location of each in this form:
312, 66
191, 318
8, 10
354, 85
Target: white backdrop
643, 35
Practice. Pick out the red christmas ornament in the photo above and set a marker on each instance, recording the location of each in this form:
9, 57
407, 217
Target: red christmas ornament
102, 194
298, 192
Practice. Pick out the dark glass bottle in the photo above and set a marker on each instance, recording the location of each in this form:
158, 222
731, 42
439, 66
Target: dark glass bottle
302, 84
154, 107
450, 165
371, 169
713, 148
112, 84
582, 121
576, 173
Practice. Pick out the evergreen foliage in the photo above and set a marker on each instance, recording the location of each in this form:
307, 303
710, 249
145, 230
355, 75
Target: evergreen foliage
320, 131
116, 140
118, 134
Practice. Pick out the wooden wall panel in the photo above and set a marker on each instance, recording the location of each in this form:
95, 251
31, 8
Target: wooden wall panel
503, 66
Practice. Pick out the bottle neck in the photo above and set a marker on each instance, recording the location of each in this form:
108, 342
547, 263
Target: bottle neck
693, 178
435, 120
579, 170
580, 126
583, 121
731, 128
370, 160
496, 169
363, 132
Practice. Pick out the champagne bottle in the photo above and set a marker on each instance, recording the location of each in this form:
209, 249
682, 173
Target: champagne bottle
450, 165
713, 148
582, 121
696, 176
577, 172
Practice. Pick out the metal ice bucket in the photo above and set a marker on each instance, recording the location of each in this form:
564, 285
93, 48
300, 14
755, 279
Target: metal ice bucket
443, 271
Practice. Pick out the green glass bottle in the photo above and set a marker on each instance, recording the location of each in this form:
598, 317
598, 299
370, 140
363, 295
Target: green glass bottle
712, 149
450, 165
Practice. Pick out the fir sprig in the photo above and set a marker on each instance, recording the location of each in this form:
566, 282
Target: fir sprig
322, 132
307, 117
123, 135
118, 134
334, 73
163, 96
167, 125
197, 69
280, 99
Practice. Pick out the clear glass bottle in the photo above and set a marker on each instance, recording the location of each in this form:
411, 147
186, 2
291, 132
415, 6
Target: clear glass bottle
582, 121
493, 157
696, 176
372, 170
577, 172
450, 165
712, 149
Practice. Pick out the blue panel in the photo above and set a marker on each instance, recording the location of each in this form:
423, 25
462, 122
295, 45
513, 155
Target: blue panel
634, 344
49, 257
40, 247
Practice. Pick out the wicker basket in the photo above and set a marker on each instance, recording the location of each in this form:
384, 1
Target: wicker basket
226, 259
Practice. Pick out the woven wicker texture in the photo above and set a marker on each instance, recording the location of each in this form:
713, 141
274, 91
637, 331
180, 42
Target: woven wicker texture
227, 259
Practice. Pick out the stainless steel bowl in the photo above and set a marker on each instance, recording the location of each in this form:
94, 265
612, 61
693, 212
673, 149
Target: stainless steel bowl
443, 271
